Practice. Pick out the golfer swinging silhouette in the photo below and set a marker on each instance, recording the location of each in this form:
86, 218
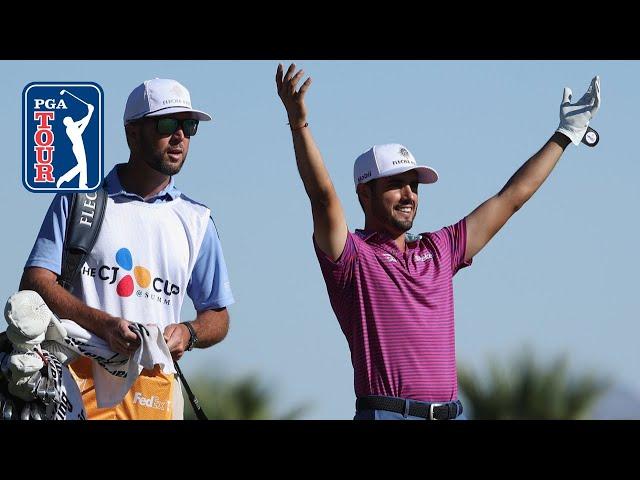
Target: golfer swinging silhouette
74, 131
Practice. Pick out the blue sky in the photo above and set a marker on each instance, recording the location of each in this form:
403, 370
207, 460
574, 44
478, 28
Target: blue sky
561, 276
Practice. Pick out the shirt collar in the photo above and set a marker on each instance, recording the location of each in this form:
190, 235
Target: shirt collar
113, 187
382, 237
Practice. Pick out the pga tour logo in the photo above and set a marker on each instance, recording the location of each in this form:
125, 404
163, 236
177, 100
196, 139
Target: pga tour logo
62, 133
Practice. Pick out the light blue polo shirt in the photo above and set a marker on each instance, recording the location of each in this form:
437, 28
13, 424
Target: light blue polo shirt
208, 286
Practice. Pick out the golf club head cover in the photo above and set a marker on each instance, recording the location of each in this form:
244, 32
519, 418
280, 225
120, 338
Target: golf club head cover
24, 371
29, 317
50, 393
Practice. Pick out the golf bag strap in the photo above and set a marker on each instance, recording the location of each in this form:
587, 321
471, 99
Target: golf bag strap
86, 214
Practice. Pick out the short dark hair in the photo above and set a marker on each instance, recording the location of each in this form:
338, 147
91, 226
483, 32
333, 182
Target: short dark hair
370, 184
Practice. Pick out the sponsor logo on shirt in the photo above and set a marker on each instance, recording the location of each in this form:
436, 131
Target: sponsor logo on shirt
389, 258
151, 402
156, 288
422, 258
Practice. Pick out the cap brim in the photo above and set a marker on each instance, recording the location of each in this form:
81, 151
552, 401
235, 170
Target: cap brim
168, 111
425, 174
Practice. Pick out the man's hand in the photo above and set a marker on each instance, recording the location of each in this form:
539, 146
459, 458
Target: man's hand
120, 338
574, 118
177, 337
293, 101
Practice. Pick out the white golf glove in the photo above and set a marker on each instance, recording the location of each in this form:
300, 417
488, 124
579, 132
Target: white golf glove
575, 117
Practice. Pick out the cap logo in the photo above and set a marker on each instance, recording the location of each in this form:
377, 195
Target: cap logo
176, 100
364, 176
406, 161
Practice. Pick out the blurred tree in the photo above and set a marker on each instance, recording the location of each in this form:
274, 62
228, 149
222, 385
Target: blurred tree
527, 391
245, 398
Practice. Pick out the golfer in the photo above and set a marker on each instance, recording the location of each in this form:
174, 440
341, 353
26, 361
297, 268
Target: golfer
391, 290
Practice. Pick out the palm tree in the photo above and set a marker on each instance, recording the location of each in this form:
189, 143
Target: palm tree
245, 398
528, 391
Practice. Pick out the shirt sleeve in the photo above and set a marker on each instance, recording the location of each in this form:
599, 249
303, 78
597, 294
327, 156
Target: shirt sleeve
47, 249
209, 285
453, 240
338, 275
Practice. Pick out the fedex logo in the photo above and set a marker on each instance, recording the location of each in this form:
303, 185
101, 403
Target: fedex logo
151, 402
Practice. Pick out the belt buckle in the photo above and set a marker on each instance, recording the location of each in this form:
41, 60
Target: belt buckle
431, 406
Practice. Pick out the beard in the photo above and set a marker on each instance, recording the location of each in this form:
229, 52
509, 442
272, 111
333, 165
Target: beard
161, 164
396, 224
159, 160
402, 225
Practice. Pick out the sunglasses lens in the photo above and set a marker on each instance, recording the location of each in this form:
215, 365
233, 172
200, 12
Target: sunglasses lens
190, 127
167, 126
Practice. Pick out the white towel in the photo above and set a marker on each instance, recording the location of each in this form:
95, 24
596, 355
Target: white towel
114, 373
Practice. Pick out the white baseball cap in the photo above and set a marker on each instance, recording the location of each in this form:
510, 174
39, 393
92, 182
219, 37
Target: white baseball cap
160, 96
387, 160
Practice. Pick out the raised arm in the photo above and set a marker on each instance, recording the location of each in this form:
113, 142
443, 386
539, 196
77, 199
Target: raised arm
329, 224
486, 220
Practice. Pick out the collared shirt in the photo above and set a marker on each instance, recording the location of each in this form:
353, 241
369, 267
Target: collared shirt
208, 286
114, 189
396, 311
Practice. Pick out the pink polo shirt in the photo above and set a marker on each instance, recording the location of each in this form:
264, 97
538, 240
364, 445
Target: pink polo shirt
396, 311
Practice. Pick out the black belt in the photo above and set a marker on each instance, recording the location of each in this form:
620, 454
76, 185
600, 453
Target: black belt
430, 411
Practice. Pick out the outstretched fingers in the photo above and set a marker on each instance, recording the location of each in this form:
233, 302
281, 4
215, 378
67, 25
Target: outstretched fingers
279, 77
287, 81
305, 86
294, 81
596, 102
283, 79
591, 98
289, 73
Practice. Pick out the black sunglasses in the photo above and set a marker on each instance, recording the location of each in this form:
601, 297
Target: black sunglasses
168, 125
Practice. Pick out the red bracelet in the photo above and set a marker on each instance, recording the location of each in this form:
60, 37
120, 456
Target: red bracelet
306, 124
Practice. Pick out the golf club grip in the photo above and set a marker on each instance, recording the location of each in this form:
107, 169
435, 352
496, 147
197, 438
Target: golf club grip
192, 398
